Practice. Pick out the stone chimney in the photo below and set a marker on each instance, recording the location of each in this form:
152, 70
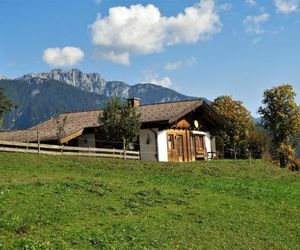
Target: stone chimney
134, 102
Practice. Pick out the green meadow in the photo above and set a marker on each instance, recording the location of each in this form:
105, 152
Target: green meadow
49, 202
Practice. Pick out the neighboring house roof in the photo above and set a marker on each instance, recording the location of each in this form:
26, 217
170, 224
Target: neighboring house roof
18, 135
168, 112
48, 130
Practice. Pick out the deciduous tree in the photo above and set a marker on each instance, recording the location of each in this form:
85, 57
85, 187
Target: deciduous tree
5, 104
120, 121
60, 130
258, 142
281, 116
239, 122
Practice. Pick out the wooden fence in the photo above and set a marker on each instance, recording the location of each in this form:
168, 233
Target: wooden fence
36, 148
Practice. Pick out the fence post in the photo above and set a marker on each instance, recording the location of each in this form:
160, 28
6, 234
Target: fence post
27, 145
89, 150
235, 156
250, 158
38, 140
124, 148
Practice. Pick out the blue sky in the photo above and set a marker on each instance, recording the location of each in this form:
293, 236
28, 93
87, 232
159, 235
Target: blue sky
214, 48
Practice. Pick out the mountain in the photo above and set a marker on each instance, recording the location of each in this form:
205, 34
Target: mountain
40, 96
150, 93
2, 77
36, 103
91, 82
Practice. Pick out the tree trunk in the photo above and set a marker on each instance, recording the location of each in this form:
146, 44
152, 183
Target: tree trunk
282, 160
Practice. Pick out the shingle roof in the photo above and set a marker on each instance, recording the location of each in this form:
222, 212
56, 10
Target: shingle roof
18, 135
48, 129
167, 111
161, 112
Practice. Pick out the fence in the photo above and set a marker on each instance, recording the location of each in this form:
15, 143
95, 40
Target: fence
36, 148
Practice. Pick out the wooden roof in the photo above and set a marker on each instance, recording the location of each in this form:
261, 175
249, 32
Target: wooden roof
168, 113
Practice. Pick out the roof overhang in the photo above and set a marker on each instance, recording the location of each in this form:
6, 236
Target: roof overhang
71, 136
210, 111
185, 112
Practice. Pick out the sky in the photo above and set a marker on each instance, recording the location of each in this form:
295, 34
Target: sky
202, 48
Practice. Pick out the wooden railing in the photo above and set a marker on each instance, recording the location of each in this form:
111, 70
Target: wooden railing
24, 147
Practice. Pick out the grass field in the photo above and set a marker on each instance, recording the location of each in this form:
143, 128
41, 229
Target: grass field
51, 202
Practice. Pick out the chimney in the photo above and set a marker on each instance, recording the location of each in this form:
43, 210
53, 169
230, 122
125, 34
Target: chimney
134, 102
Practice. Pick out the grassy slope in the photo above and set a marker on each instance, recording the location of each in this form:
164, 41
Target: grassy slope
85, 203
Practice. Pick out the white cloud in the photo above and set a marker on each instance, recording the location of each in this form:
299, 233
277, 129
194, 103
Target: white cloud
172, 66
251, 2
286, 6
165, 81
254, 23
150, 77
143, 30
121, 58
67, 56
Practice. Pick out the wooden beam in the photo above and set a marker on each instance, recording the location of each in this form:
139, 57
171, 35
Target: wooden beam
71, 136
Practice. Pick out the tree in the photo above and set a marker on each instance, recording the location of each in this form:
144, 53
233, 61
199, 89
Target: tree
5, 104
258, 142
239, 122
60, 131
281, 116
120, 121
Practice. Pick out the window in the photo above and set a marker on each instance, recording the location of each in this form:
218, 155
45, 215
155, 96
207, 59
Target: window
199, 142
170, 142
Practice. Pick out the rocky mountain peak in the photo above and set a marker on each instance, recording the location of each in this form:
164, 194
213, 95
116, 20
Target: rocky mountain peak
91, 82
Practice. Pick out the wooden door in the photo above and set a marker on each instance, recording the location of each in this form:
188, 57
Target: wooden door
178, 145
180, 148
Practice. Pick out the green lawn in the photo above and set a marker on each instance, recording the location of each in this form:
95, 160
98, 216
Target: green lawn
49, 202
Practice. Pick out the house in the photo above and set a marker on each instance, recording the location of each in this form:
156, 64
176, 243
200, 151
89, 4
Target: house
172, 131
178, 131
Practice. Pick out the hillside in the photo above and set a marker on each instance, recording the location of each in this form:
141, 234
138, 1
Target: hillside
38, 102
86, 203
40, 96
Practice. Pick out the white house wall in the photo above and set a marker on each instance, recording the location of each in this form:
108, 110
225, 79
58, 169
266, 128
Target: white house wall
162, 145
208, 144
148, 146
